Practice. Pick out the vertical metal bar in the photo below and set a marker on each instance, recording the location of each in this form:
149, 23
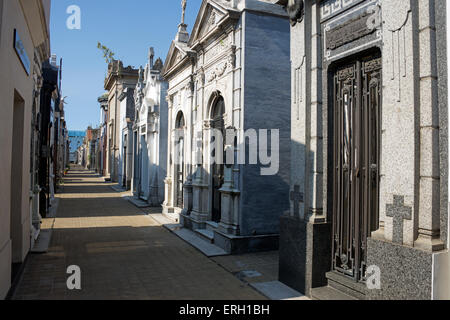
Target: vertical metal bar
367, 166
336, 179
367, 173
342, 214
341, 173
378, 145
357, 175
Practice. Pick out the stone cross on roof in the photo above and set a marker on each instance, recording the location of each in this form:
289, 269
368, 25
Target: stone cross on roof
151, 56
183, 7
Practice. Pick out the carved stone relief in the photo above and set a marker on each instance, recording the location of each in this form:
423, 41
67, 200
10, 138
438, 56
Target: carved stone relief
398, 36
363, 21
218, 71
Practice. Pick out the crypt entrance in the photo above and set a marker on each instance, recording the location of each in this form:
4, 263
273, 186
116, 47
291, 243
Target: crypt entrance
217, 167
355, 105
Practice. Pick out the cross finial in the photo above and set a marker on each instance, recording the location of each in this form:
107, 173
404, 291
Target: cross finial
151, 56
183, 7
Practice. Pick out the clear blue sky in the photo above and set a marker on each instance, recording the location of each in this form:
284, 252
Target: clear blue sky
129, 28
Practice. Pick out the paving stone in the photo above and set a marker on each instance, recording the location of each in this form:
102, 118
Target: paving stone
121, 252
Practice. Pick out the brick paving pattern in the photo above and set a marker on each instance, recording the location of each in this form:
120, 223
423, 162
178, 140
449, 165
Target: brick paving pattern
122, 253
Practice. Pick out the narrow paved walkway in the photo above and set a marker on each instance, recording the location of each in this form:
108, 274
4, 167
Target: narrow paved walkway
122, 253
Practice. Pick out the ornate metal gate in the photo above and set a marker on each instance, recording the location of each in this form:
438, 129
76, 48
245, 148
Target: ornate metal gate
357, 112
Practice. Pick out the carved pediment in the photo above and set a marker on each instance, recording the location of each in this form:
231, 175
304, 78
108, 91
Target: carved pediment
210, 15
176, 54
177, 57
210, 21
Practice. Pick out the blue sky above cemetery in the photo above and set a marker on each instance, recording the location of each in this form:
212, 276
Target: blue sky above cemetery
129, 28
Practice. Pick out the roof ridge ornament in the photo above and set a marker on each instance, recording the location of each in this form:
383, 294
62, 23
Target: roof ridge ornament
183, 9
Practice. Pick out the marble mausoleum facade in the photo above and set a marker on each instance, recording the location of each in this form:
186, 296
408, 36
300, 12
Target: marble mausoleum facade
230, 75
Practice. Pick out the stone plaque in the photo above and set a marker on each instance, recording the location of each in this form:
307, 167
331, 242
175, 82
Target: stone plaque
352, 30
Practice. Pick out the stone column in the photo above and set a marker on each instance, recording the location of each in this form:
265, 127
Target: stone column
305, 241
200, 187
187, 190
314, 159
168, 201
429, 201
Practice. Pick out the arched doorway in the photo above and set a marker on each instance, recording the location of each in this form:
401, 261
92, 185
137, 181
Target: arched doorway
217, 170
179, 159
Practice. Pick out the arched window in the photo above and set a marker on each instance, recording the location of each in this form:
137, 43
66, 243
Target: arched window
180, 123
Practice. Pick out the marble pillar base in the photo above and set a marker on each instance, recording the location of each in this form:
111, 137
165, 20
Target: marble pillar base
246, 244
190, 222
187, 199
406, 272
227, 228
305, 254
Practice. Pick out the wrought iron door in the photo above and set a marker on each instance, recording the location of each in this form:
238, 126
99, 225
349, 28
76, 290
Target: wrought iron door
357, 112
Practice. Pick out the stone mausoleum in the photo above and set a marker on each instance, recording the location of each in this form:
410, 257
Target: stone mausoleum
231, 73
150, 133
369, 177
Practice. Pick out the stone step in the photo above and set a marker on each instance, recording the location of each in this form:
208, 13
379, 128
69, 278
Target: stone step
275, 290
329, 293
346, 285
211, 226
207, 248
205, 234
138, 202
118, 188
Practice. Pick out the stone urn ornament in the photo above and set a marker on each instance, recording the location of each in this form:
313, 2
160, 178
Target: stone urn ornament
295, 10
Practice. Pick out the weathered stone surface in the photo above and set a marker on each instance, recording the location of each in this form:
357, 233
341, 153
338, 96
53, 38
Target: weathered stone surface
406, 273
441, 53
411, 39
305, 254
